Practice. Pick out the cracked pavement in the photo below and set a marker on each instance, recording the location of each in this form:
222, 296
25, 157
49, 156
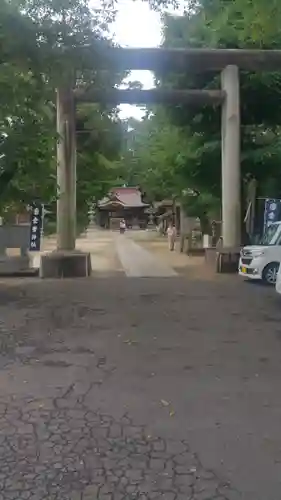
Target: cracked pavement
60, 452
119, 389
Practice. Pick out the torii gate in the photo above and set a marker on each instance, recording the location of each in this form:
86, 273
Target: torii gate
68, 262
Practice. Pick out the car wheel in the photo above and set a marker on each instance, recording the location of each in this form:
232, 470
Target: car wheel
269, 274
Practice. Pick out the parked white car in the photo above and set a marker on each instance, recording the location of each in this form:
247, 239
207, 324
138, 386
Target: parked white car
262, 261
278, 281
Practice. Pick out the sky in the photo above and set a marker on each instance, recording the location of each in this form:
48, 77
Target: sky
137, 25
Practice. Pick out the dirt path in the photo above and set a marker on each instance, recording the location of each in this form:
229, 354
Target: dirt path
191, 267
100, 244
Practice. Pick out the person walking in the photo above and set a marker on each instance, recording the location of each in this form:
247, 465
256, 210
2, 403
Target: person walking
122, 226
172, 234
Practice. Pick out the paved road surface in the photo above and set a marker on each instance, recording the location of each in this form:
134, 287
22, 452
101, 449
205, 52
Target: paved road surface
158, 388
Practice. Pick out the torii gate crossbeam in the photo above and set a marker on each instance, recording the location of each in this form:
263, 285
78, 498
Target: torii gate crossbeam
183, 59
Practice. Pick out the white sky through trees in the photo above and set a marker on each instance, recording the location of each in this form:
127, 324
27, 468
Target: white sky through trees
136, 25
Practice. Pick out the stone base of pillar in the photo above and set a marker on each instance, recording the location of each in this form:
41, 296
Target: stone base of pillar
227, 260
223, 260
63, 264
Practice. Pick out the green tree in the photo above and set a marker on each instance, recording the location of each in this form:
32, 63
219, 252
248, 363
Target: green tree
221, 23
100, 138
40, 42
175, 148
155, 159
151, 157
56, 33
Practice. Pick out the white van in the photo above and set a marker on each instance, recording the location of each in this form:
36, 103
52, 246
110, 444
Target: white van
261, 261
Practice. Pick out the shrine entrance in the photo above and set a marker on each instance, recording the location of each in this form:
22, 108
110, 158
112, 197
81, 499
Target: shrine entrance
226, 61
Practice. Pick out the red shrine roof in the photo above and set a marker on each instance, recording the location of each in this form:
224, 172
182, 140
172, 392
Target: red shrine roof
127, 197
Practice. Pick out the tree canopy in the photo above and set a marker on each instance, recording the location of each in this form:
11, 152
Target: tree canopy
42, 42
172, 149
221, 24
184, 144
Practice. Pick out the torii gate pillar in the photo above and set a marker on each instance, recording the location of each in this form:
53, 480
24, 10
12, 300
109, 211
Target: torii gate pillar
66, 170
231, 175
66, 261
